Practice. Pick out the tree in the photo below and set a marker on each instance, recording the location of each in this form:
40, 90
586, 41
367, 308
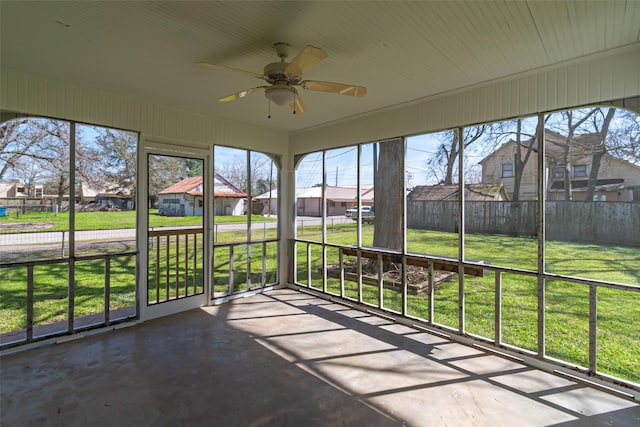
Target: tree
236, 172
623, 138
594, 133
110, 160
37, 150
389, 185
263, 185
34, 143
442, 165
601, 123
24, 141
570, 121
165, 171
29, 173
53, 154
522, 153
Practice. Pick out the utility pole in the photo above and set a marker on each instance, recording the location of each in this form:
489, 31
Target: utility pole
375, 162
270, 188
336, 176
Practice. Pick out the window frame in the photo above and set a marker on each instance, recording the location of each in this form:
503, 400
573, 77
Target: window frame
510, 170
575, 168
558, 172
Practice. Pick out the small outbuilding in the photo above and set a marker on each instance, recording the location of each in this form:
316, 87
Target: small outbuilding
185, 198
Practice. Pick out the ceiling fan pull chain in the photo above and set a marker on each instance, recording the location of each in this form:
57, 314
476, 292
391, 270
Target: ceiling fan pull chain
294, 101
269, 116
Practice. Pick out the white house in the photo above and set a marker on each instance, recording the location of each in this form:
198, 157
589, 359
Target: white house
309, 200
15, 189
184, 198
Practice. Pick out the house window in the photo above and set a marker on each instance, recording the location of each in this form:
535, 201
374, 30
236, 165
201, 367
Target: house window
38, 192
507, 170
558, 172
21, 190
579, 171
200, 203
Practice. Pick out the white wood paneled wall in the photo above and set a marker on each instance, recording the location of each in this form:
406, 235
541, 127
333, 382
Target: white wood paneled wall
605, 77
24, 93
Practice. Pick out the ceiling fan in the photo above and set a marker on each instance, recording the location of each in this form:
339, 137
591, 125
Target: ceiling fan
283, 77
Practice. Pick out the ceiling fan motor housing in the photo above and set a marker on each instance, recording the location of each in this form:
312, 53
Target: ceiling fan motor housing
276, 72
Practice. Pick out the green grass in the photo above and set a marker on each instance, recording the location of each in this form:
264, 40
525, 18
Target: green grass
51, 291
111, 220
221, 261
179, 276
566, 304
51, 281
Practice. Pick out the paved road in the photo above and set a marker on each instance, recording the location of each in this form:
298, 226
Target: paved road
8, 242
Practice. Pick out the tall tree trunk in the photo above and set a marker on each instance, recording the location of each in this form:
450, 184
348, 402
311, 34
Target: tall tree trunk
518, 164
389, 187
567, 148
62, 190
567, 169
452, 158
519, 161
599, 149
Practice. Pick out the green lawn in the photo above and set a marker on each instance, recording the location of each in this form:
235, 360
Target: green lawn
111, 220
566, 304
51, 291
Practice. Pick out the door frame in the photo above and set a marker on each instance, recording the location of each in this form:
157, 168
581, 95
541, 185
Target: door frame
147, 147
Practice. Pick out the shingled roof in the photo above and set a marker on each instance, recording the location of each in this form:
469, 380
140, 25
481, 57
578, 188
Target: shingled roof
193, 186
472, 192
583, 184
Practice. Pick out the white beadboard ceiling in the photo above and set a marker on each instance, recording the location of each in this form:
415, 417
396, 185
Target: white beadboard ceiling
401, 51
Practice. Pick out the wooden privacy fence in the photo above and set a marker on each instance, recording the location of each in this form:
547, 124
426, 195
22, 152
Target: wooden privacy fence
596, 222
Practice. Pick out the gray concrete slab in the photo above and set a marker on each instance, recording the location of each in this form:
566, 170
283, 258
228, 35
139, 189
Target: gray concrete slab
288, 359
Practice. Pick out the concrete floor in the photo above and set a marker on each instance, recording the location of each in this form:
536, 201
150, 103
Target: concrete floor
288, 359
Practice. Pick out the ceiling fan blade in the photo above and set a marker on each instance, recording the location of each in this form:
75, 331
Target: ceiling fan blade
298, 105
233, 70
339, 88
306, 59
242, 94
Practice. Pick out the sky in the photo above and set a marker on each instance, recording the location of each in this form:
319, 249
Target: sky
342, 164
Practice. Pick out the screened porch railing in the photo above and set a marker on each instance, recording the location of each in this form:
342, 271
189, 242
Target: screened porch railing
348, 282
61, 302
176, 260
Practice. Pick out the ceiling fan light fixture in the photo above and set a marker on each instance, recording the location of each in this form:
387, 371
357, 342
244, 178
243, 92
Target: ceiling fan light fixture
280, 94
